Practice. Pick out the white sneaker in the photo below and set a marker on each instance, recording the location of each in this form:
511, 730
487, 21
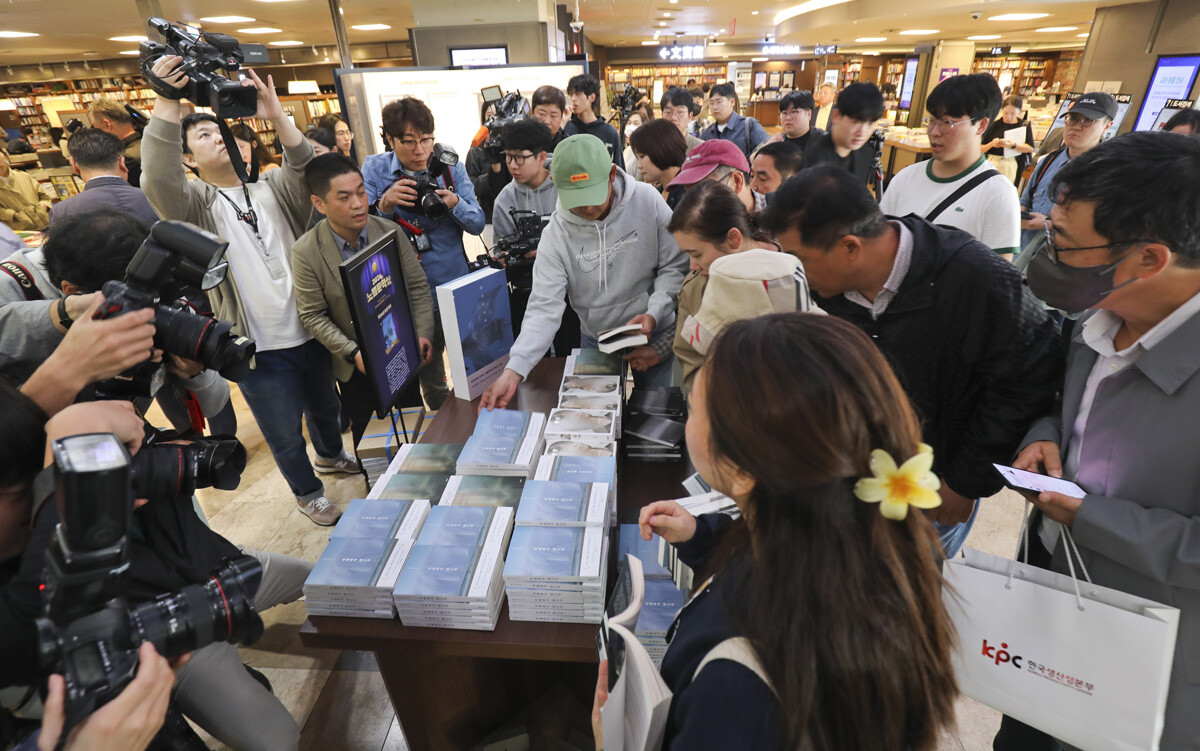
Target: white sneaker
345, 464
320, 510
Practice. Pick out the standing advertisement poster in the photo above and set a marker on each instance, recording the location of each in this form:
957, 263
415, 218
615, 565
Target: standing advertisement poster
383, 322
1173, 78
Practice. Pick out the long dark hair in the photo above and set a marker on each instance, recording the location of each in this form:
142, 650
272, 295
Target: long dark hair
842, 606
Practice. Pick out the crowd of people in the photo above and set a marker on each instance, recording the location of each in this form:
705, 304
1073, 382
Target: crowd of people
823, 326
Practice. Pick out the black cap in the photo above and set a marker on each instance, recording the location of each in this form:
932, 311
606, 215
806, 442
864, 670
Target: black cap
1095, 105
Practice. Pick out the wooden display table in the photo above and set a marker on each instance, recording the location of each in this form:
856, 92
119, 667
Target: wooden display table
450, 687
913, 154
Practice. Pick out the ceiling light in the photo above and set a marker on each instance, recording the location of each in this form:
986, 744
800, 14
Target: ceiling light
871, 39
1017, 16
722, 31
983, 37
260, 30
672, 2
919, 32
227, 19
1016, 51
130, 52
662, 23
650, 43
16, 34
759, 59
371, 27
287, 43
666, 15
1052, 29
802, 8
1084, 35
131, 38
754, 13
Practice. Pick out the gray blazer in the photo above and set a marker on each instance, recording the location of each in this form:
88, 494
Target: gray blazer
107, 193
1138, 529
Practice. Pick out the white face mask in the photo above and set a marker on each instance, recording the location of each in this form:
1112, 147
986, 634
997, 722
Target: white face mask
629, 130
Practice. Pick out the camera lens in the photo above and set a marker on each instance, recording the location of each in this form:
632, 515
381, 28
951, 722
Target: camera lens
170, 470
206, 340
433, 205
221, 609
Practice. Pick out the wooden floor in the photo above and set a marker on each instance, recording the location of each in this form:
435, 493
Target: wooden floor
338, 698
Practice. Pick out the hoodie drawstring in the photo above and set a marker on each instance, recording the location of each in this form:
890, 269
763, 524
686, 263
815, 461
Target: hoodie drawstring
601, 232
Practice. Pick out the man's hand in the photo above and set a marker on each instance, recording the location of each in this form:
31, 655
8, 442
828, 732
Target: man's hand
164, 68
1035, 221
268, 101
426, 350
1061, 508
358, 363
181, 367
1041, 457
668, 520
116, 417
501, 392
646, 321
642, 358
449, 196
402, 193
127, 723
955, 509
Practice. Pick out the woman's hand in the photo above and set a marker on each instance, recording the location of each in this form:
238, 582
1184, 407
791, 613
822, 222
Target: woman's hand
668, 520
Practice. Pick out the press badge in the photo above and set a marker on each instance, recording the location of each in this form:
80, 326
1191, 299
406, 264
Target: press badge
423, 243
275, 266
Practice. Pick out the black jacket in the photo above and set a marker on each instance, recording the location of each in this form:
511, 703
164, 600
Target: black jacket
978, 356
600, 129
728, 706
488, 184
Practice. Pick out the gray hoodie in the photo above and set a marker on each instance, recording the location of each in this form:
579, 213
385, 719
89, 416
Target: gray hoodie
622, 266
541, 199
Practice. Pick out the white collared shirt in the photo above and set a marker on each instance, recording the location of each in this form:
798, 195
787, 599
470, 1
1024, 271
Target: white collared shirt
895, 279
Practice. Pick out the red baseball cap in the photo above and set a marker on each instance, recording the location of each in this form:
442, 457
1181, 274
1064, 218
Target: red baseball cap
706, 157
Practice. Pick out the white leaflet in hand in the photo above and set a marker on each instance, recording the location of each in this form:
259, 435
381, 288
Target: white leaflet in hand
1039, 483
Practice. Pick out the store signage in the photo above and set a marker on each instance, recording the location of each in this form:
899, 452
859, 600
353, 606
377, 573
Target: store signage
829, 49
1000, 50
781, 49
686, 52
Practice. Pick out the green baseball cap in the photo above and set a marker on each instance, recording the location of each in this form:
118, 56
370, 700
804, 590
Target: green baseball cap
581, 169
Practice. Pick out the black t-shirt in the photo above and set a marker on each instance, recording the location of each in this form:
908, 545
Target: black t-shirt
804, 140
820, 150
998, 128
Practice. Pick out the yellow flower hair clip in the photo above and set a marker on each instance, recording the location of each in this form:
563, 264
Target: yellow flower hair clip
896, 488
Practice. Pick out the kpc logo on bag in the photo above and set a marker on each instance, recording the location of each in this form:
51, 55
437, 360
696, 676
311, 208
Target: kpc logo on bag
1001, 655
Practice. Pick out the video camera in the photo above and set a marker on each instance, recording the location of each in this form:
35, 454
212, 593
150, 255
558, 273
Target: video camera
204, 53
428, 202
509, 109
88, 632
175, 255
512, 253
625, 101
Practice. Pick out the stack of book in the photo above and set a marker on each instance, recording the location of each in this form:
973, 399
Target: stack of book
662, 599
556, 574
419, 470
654, 428
452, 578
578, 391
367, 550
505, 442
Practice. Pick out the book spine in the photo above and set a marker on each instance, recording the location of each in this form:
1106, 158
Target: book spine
592, 556
531, 443
418, 510
492, 554
395, 562
597, 509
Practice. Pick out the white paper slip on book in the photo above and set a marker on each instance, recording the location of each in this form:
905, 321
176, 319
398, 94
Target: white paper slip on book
477, 320
621, 337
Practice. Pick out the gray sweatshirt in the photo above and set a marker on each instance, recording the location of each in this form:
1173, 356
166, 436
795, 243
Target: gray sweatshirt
625, 265
541, 199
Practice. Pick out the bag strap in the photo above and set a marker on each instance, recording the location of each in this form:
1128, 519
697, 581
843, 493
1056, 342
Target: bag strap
1072, 552
963, 189
24, 280
1040, 172
735, 649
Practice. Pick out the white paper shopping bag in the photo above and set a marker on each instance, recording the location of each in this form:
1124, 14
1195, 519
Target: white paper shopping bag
1091, 671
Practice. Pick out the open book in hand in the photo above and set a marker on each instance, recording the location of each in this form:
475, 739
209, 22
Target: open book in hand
622, 337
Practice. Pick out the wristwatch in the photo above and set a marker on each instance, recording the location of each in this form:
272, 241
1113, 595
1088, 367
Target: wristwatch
60, 310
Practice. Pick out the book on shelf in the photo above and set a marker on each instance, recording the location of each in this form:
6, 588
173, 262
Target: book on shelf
547, 503
477, 320
483, 490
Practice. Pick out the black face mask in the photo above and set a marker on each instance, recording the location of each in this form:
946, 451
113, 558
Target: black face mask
1071, 289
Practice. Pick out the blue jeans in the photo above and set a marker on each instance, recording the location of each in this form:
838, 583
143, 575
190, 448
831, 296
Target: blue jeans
662, 374
284, 385
952, 536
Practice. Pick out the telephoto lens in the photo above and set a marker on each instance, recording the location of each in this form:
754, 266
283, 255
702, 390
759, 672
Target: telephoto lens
221, 609
203, 339
170, 470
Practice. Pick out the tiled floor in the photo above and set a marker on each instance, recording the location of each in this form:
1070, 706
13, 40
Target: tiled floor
338, 698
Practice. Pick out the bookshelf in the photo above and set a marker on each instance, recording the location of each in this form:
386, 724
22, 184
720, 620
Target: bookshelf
644, 76
1026, 73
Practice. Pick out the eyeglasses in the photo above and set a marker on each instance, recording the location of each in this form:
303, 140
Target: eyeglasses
425, 143
1077, 120
1052, 250
933, 123
792, 113
517, 159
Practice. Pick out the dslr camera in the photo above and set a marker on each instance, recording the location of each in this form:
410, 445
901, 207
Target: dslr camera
89, 633
204, 53
176, 255
509, 109
512, 253
625, 101
428, 202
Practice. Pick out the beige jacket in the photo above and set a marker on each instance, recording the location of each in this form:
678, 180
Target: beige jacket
690, 296
21, 206
321, 298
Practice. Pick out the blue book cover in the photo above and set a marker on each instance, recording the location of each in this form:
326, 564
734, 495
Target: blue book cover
377, 518
584, 469
508, 423
490, 449
456, 526
630, 542
350, 561
662, 603
433, 570
544, 552
548, 501
477, 319
406, 486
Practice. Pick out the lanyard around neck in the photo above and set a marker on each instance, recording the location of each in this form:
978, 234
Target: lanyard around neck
248, 216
